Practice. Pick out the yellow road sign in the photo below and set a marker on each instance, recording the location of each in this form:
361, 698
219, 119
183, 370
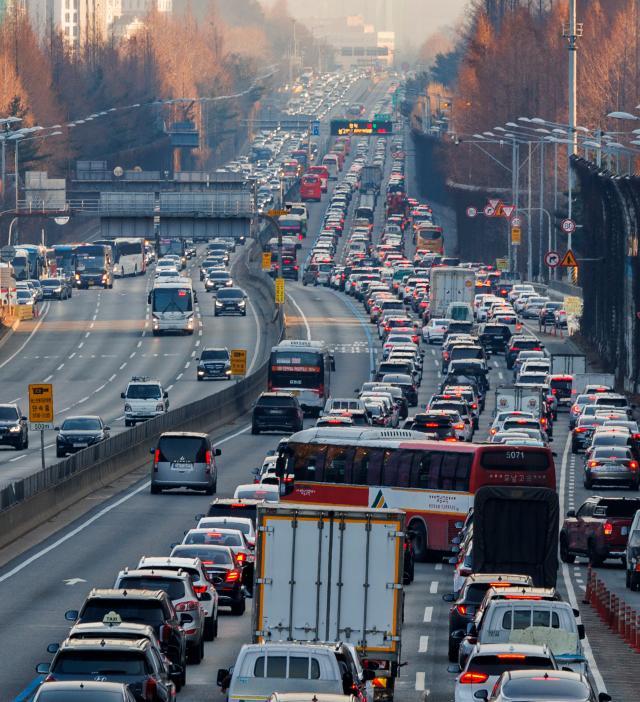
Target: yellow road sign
266, 261
279, 291
502, 264
569, 260
516, 235
238, 362
41, 403
573, 305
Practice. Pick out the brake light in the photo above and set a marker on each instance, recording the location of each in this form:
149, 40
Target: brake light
474, 406
469, 678
593, 464
461, 609
579, 430
607, 528
451, 439
200, 589
432, 425
494, 585
554, 391
522, 597
156, 459
241, 557
232, 576
511, 656
460, 425
208, 457
188, 606
379, 682
150, 689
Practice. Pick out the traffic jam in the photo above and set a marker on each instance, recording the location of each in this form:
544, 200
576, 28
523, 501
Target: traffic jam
447, 455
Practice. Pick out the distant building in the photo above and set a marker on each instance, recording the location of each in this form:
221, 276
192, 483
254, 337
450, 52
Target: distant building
126, 17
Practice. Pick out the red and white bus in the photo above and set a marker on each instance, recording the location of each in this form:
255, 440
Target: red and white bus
310, 187
432, 481
323, 173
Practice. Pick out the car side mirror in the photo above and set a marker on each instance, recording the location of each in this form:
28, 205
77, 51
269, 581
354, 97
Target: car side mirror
472, 629
56, 428
571, 513
42, 668
152, 450
107, 428
217, 452
459, 525
173, 545
223, 674
165, 394
604, 697
576, 612
71, 615
53, 647
24, 419
581, 632
455, 549
456, 540
449, 597
122, 395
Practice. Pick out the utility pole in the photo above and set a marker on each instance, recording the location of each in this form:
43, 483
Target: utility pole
529, 203
542, 210
574, 31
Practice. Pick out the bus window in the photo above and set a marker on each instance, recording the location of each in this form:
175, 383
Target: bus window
336, 464
463, 472
397, 468
366, 466
309, 463
448, 471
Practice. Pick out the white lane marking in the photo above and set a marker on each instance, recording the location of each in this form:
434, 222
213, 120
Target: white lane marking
501, 375
84, 399
424, 644
87, 334
179, 376
428, 613
123, 365
187, 364
420, 681
90, 327
28, 339
495, 363
112, 378
72, 355
197, 343
139, 344
304, 319
169, 387
102, 387
438, 566
433, 588
81, 344
586, 646
132, 354
81, 527
193, 353
199, 332
17, 458
47, 379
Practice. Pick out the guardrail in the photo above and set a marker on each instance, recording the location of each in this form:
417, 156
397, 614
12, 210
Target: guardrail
36, 498
620, 617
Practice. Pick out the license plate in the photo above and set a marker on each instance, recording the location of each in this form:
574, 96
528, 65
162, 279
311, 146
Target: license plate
182, 467
624, 530
80, 445
295, 392
615, 468
276, 411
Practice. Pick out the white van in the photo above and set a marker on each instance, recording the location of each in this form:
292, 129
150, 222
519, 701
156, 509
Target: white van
261, 669
332, 165
343, 404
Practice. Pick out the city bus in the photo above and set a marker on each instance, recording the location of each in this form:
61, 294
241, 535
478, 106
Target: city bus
310, 187
172, 302
93, 265
176, 246
429, 239
29, 262
62, 260
432, 481
128, 255
303, 368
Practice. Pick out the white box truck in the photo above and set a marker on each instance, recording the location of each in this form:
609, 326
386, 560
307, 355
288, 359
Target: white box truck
568, 363
447, 285
510, 398
326, 575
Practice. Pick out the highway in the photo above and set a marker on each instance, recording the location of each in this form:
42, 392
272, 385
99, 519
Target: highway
40, 584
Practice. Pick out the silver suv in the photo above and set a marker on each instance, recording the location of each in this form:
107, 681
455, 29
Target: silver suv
203, 587
179, 588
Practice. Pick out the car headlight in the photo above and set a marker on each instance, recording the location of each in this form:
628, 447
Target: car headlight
218, 303
242, 303
14, 429
159, 407
127, 408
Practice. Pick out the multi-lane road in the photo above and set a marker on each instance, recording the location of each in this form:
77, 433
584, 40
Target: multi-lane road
89, 342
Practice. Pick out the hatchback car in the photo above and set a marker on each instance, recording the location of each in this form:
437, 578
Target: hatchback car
276, 411
543, 685
184, 459
611, 465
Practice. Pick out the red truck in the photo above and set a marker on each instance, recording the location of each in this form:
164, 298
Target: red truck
598, 530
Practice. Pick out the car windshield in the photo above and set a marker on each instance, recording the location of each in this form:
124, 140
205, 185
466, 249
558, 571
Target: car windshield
143, 392
173, 587
99, 663
51, 283
230, 294
208, 554
81, 424
8, 414
23, 294
130, 610
215, 355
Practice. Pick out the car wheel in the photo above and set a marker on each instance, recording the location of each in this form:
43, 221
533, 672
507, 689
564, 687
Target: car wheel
627, 582
565, 555
635, 485
574, 448
420, 550
587, 484
209, 628
59, 453
595, 559
237, 608
199, 378
453, 651
155, 489
254, 429
194, 654
210, 490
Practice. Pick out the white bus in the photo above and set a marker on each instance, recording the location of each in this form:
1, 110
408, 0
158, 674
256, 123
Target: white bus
172, 306
129, 256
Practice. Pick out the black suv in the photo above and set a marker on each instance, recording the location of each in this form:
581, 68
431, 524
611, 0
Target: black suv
214, 363
521, 343
152, 607
13, 427
494, 337
276, 411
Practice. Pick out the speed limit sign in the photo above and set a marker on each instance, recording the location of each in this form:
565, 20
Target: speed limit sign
568, 226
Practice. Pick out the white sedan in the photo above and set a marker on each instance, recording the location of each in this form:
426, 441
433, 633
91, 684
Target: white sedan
434, 331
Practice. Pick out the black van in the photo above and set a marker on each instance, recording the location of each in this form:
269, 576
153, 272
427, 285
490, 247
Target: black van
276, 411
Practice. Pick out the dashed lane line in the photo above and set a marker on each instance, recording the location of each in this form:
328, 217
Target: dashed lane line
428, 614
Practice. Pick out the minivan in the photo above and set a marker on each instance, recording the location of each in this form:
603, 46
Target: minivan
184, 459
294, 667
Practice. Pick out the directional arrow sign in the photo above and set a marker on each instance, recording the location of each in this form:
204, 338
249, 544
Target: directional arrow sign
74, 581
489, 211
